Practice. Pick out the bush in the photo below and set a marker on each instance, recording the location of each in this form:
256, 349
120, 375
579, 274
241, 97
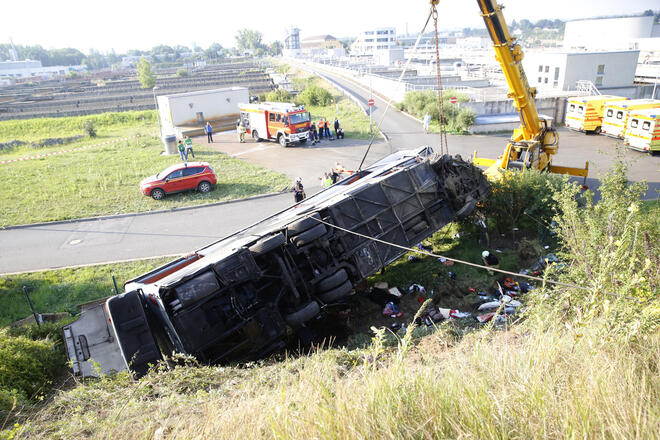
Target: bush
420, 102
89, 128
613, 245
181, 73
314, 95
522, 200
465, 119
26, 368
278, 95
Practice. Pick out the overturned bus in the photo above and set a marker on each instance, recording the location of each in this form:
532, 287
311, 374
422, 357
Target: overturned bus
244, 296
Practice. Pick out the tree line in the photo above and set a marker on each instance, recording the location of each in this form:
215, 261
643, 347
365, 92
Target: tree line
246, 40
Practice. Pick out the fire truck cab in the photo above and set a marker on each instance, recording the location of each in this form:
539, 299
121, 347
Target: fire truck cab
283, 122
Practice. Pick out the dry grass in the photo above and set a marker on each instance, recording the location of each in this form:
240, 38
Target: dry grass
529, 383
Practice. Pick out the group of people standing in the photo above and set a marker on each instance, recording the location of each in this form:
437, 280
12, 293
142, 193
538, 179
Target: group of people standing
323, 130
185, 148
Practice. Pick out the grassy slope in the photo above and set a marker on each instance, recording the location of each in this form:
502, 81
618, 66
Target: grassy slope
63, 289
104, 179
42, 128
526, 383
353, 120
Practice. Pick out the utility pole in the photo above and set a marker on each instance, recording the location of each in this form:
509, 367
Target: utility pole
160, 128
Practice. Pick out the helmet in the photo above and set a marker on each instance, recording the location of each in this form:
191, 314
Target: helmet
298, 179
484, 254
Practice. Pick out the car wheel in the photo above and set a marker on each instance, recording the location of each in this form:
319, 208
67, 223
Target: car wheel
255, 136
304, 224
337, 293
333, 281
282, 140
309, 235
303, 315
267, 244
157, 194
204, 187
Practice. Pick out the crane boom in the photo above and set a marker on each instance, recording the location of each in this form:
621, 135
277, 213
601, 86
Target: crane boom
533, 144
509, 54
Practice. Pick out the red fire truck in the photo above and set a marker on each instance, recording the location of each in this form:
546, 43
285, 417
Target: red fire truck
280, 121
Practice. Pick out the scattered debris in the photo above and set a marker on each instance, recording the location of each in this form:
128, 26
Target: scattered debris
392, 310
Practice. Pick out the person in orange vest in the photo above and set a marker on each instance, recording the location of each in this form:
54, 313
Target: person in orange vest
321, 128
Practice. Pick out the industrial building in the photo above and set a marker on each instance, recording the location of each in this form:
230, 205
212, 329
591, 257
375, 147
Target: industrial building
562, 70
374, 39
34, 69
608, 33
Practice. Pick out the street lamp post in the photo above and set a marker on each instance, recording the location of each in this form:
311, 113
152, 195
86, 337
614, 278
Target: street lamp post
160, 128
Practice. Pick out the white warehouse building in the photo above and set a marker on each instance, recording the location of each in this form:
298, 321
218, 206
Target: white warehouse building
372, 40
185, 114
562, 70
608, 33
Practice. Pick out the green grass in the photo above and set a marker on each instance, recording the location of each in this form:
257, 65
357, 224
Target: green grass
41, 128
105, 180
63, 290
526, 383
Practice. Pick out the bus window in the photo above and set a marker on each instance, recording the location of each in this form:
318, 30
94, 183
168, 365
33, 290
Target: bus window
580, 109
619, 115
634, 123
572, 107
646, 125
610, 112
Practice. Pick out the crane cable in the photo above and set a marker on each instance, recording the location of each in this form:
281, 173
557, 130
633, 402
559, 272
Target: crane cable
444, 146
468, 263
389, 101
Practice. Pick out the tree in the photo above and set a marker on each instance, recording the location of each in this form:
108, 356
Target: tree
247, 39
214, 51
145, 74
275, 48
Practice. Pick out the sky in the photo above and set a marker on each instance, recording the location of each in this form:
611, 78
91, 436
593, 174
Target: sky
142, 24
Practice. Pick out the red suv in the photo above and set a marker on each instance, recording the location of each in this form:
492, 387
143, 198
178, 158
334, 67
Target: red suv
179, 177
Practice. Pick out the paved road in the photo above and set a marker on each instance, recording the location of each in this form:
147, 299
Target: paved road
179, 232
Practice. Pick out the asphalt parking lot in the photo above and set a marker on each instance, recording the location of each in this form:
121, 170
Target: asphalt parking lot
310, 162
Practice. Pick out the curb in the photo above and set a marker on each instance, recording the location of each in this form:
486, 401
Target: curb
136, 214
102, 263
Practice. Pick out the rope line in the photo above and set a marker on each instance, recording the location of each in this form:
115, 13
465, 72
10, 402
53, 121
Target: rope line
389, 101
455, 260
444, 145
40, 156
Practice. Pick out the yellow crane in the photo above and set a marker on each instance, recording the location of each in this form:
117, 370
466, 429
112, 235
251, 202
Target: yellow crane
533, 144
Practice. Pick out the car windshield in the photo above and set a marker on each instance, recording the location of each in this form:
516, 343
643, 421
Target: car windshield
166, 171
299, 118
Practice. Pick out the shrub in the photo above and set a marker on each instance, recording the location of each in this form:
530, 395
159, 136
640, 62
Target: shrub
278, 95
88, 126
613, 245
465, 119
522, 200
181, 73
26, 368
314, 95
